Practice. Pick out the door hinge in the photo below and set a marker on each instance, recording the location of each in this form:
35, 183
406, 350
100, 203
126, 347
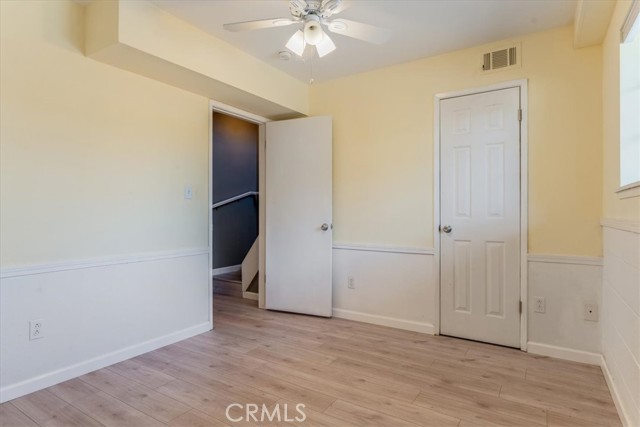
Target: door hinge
520, 307
520, 114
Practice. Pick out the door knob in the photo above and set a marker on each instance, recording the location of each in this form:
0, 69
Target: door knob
446, 229
324, 227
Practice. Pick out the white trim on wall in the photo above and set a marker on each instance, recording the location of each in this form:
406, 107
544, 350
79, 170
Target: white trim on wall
52, 378
389, 249
236, 112
621, 224
262, 213
564, 353
111, 290
28, 270
566, 259
210, 213
524, 212
628, 191
615, 393
407, 325
620, 319
524, 192
436, 210
219, 107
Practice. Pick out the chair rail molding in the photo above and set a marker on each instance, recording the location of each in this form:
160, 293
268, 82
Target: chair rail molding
78, 264
621, 224
565, 259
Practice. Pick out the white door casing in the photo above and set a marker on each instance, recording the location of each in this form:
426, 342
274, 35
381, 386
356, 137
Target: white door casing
480, 201
298, 203
215, 106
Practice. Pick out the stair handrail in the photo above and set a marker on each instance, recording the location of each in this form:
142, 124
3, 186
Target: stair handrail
233, 199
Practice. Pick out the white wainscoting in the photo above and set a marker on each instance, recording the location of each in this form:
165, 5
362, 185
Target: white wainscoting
620, 316
397, 287
97, 312
393, 286
567, 283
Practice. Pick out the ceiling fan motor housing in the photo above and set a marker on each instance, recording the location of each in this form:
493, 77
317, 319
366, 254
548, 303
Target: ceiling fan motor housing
321, 8
313, 5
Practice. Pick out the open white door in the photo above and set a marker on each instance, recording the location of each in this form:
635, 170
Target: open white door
298, 203
480, 216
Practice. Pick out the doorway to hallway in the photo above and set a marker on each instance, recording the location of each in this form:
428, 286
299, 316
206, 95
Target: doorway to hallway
235, 224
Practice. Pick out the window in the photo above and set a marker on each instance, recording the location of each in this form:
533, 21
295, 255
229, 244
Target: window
630, 102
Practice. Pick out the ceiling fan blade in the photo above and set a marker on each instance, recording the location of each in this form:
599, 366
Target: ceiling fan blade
332, 7
259, 25
360, 31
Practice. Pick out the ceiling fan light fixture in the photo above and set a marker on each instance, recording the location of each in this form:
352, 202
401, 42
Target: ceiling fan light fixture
313, 33
296, 43
314, 27
326, 46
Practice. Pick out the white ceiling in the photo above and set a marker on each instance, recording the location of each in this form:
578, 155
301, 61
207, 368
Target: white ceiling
420, 28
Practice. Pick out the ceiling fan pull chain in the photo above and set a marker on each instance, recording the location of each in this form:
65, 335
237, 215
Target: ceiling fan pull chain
311, 80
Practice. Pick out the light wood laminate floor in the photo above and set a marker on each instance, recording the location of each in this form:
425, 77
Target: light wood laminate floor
346, 373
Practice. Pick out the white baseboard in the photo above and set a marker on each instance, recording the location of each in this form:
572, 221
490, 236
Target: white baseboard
250, 295
14, 391
408, 325
624, 416
564, 353
225, 270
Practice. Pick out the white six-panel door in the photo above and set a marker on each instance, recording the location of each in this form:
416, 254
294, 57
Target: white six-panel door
298, 216
480, 217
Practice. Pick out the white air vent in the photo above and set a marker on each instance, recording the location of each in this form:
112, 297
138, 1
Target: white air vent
501, 59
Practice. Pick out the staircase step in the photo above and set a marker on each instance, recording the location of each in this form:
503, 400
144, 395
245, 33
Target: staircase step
239, 282
233, 277
227, 287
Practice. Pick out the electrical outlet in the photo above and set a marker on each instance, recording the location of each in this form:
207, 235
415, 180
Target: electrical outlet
591, 312
539, 305
36, 329
351, 282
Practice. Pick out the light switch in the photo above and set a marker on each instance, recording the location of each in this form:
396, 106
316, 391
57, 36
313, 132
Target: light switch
188, 191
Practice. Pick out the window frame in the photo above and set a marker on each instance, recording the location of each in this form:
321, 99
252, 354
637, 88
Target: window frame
632, 20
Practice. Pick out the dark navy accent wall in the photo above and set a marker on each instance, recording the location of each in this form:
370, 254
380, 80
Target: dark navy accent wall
235, 171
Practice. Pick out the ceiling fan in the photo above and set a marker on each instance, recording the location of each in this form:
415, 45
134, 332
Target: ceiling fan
314, 15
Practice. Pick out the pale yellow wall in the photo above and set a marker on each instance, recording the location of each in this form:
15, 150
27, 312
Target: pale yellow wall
93, 159
141, 37
383, 144
613, 206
